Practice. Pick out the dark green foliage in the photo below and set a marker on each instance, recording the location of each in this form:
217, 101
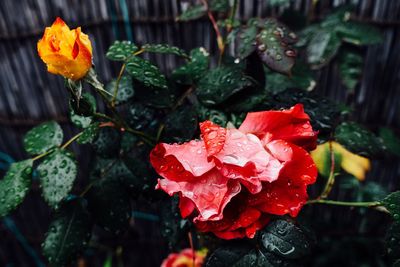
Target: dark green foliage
140, 117
107, 142
393, 241
194, 69
68, 234
173, 228
216, 116
359, 34
390, 140
15, 185
57, 174
350, 68
125, 89
180, 125
145, 72
220, 83
164, 49
109, 205
43, 137
219, 5
121, 50
358, 139
301, 78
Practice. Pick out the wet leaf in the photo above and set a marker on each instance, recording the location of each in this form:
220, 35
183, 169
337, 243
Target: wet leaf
15, 185
274, 46
125, 89
164, 49
192, 13
359, 33
89, 134
392, 204
393, 241
350, 68
247, 39
344, 159
284, 239
43, 137
216, 116
68, 234
140, 117
358, 140
219, 5
301, 78
220, 83
57, 174
121, 50
145, 72
323, 46
81, 115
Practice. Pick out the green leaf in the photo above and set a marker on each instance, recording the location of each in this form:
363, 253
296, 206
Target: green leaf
274, 46
220, 83
219, 5
392, 204
68, 234
350, 68
15, 185
164, 49
192, 13
140, 117
358, 140
247, 39
125, 89
323, 46
358, 33
391, 141
43, 137
115, 211
121, 50
180, 125
302, 78
57, 174
89, 134
88, 103
107, 142
194, 69
284, 239
145, 72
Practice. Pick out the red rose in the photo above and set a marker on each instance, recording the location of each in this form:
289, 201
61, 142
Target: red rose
185, 258
232, 180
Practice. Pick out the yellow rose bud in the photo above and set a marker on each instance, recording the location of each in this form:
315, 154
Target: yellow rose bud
66, 52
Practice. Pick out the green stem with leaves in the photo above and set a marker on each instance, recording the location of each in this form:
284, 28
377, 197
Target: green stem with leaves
331, 179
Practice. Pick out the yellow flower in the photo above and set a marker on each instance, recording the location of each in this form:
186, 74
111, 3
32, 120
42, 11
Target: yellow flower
66, 52
351, 163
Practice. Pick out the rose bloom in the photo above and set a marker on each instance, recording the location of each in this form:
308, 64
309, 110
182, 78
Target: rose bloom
185, 258
232, 180
66, 52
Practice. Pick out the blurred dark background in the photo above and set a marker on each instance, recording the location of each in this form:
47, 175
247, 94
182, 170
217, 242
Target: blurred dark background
29, 95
